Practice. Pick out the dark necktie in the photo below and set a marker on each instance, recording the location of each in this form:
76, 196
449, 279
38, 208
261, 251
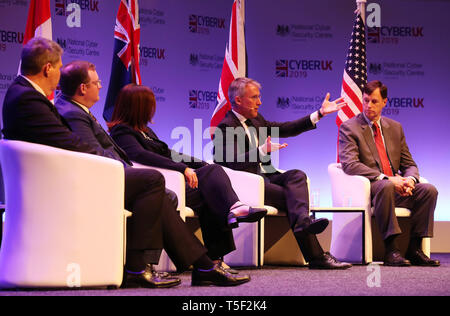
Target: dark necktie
253, 133
93, 117
381, 150
120, 155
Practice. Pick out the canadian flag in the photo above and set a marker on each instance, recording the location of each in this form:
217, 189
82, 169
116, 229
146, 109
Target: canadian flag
39, 23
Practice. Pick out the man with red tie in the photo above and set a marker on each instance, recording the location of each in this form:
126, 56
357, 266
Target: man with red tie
375, 147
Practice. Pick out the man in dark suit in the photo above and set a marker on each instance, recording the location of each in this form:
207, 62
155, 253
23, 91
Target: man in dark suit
375, 147
29, 116
242, 141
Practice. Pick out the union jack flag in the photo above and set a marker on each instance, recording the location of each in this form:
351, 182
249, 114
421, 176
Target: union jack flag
193, 23
125, 65
60, 7
234, 64
193, 98
281, 68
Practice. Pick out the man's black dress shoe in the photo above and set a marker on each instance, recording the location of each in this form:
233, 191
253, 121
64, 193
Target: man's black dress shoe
328, 262
313, 226
254, 215
395, 259
418, 258
217, 276
227, 268
149, 278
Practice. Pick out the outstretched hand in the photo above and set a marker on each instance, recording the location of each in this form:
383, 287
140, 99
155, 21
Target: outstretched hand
269, 147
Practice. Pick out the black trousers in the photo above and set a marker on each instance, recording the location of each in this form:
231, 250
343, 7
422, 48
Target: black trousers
155, 223
289, 192
422, 204
212, 201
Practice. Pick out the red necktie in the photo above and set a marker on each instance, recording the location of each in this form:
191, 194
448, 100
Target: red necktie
381, 150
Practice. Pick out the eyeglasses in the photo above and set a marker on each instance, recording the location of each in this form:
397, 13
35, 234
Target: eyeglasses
98, 83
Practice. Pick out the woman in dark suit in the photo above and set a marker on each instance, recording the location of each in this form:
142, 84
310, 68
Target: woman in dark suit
209, 191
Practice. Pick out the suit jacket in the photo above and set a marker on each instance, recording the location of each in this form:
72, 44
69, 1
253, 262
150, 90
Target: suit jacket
233, 148
150, 150
358, 152
29, 116
88, 129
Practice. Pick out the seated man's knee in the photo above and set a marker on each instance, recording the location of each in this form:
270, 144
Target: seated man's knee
297, 174
428, 189
152, 178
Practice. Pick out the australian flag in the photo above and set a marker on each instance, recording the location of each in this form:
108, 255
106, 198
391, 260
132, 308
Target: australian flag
125, 63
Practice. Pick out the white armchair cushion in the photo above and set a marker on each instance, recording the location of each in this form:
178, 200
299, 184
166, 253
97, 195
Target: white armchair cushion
64, 217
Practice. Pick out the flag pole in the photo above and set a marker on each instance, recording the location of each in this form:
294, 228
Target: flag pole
361, 6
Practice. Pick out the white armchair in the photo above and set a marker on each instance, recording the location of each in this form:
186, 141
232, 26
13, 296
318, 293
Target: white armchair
64, 220
354, 191
250, 190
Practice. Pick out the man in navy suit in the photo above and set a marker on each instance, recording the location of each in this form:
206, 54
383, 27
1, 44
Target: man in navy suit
242, 141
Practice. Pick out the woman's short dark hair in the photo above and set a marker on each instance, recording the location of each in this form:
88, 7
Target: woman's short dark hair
374, 85
135, 106
37, 53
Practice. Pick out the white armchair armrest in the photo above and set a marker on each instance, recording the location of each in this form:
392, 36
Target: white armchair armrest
175, 182
248, 186
349, 190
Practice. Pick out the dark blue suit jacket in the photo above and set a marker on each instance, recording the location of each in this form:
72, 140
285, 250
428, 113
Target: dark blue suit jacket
89, 130
230, 151
29, 116
151, 150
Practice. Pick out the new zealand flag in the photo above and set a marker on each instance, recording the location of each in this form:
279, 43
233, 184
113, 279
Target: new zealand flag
125, 63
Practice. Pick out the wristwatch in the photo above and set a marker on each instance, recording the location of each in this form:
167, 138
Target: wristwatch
319, 113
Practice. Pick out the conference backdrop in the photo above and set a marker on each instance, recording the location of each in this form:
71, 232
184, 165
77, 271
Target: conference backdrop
296, 50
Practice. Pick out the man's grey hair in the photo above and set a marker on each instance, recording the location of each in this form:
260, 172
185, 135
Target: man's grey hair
237, 88
38, 52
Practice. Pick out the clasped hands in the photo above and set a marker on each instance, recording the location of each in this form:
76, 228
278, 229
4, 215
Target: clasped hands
403, 186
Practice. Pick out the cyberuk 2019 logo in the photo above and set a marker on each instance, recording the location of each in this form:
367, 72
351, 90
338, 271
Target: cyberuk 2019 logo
383, 34
397, 105
202, 100
393, 34
201, 24
295, 68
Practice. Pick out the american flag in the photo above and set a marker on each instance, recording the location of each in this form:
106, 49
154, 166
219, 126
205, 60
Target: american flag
125, 64
234, 64
355, 73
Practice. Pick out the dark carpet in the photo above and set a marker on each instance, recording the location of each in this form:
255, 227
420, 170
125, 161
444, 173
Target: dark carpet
299, 281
